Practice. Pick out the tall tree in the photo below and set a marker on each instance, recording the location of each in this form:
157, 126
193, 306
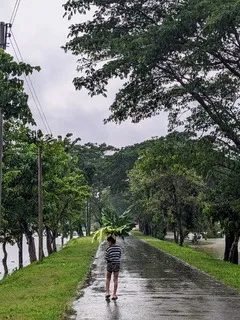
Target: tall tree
20, 187
65, 192
177, 56
222, 202
91, 160
166, 190
13, 103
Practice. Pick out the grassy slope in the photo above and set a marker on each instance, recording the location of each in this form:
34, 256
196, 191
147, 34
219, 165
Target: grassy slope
44, 290
225, 272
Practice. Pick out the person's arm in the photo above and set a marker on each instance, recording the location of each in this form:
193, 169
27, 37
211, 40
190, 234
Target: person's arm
106, 255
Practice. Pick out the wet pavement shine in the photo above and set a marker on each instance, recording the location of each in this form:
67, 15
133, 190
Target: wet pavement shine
154, 285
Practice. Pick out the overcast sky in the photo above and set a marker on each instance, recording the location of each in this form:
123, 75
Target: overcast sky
40, 31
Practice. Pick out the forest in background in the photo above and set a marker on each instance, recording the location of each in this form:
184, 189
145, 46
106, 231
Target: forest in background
181, 57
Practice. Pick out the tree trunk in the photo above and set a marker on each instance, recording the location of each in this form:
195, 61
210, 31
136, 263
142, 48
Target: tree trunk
140, 225
49, 240
70, 229
42, 255
233, 254
176, 234
4, 260
155, 232
147, 229
181, 232
62, 241
30, 242
89, 208
90, 216
80, 231
20, 251
229, 240
31, 247
54, 236
87, 214
151, 230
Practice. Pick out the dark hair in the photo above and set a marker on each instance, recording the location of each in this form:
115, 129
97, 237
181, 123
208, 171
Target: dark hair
111, 239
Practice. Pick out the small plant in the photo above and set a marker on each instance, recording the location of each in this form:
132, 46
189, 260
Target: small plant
114, 224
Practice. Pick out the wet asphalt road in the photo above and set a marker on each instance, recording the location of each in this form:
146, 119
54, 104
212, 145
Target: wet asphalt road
154, 285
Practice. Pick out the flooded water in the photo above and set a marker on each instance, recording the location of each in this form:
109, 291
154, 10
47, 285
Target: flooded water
13, 254
213, 247
154, 285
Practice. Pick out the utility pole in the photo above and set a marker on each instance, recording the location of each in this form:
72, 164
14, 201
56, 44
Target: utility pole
4, 34
40, 203
39, 142
3, 44
1, 164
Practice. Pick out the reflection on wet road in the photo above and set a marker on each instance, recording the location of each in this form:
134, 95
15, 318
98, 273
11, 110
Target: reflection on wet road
153, 285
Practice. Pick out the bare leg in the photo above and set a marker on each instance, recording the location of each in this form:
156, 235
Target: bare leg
108, 280
115, 280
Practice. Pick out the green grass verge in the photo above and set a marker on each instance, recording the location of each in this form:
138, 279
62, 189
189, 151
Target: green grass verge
44, 291
227, 273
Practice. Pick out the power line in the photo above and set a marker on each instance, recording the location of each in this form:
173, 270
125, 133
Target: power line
16, 55
30, 85
31, 90
27, 78
15, 11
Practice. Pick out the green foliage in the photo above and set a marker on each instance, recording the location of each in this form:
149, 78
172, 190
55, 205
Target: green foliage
114, 225
13, 99
222, 198
117, 167
19, 180
92, 161
175, 56
64, 187
165, 188
180, 57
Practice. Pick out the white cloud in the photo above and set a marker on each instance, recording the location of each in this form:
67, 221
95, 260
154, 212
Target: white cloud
40, 31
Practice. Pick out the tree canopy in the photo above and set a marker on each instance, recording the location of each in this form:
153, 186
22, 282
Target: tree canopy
13, 98
177, 56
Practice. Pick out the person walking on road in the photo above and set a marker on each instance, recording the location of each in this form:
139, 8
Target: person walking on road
113, 259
